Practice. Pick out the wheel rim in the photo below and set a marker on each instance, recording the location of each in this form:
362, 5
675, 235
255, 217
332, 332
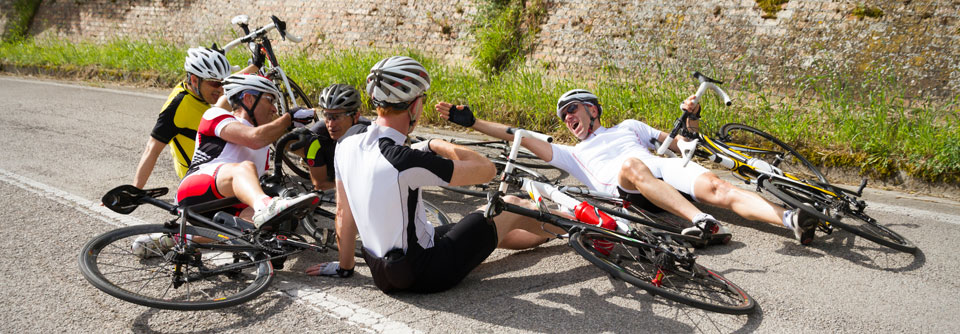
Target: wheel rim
761, 145
110, 264
695, 285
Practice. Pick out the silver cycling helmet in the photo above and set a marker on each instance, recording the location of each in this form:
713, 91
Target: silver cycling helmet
206, 63
397, 80
577, 95
340, 97
238, 83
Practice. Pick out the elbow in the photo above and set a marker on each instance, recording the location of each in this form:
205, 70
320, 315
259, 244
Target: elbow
488, 170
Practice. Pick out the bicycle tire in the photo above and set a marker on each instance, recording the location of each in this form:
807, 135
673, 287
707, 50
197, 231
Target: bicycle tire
291, 160
481, 190
321, 225
629, 261
790, 161
109, 263
820, 204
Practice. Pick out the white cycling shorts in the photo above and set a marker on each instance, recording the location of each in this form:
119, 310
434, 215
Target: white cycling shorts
672, 171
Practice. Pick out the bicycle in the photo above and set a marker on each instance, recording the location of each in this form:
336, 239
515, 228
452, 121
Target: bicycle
208, 264
651, 260
294, 95
777, 168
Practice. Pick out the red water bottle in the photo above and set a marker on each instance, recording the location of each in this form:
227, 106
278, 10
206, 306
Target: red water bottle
587, 214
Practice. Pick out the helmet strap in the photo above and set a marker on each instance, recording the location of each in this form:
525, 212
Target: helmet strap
196, 89
249, 111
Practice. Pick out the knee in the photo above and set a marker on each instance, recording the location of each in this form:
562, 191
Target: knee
635, 170
718, 189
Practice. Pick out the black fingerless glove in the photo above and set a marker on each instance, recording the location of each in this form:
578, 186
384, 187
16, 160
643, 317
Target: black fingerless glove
305, 138
462, 117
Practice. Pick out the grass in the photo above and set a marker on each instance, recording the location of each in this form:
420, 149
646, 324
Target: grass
878, 131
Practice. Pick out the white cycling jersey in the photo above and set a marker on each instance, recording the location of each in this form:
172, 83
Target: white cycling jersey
596, 161
382, 180
211, 148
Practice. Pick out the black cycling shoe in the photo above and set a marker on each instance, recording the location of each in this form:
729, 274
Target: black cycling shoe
804, 226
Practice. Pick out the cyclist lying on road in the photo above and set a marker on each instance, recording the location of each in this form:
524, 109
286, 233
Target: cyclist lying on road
339, 106
618, 160
379, 196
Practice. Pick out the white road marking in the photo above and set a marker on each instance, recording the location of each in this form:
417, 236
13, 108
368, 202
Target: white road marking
911, 212
322, 302
106, 90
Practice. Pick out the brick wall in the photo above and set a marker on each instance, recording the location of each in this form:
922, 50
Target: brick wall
918, 40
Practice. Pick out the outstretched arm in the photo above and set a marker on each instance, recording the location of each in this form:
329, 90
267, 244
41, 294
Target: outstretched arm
540, 148
147, 161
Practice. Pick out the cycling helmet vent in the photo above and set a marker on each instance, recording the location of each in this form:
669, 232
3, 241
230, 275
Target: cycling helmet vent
397, 80
206, 63
577, 95
237, 83
340, 97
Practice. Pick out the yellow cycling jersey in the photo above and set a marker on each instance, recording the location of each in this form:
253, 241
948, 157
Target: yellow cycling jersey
177, 125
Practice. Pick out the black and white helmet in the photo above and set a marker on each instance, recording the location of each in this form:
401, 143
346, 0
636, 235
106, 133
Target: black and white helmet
397, 80
238, 83
577, 95
206, 63
340, 97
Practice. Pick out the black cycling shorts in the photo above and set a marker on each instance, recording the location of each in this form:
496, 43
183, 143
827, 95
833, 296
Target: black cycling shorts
457, 250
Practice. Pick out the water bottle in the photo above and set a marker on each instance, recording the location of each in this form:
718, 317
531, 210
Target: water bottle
587, 214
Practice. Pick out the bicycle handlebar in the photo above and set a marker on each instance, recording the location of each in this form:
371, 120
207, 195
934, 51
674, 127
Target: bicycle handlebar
281, 27
705, 83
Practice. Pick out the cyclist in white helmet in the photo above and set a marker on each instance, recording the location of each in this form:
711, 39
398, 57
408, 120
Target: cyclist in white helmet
232, 149
177, 123
339, 109
378, 193
619, 160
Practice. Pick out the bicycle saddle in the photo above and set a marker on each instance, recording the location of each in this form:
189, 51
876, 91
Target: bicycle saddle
126, 198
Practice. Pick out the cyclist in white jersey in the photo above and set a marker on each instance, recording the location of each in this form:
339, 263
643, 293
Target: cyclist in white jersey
232, 149
618, 160
378, 182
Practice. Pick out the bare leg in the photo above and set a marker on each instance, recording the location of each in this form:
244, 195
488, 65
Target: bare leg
710, 189
634, 175
520, 232
240, 180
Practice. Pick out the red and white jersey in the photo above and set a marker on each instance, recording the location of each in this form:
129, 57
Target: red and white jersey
210, 148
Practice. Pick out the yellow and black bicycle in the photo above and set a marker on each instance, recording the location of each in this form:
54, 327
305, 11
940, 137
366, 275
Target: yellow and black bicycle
765, 161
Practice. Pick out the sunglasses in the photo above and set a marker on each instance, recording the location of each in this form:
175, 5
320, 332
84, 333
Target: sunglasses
572, 107
214, 83
333, 117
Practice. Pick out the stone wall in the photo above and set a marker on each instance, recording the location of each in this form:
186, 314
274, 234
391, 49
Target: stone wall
917, 40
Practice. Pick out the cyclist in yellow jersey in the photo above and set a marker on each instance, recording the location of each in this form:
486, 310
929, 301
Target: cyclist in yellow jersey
178, 120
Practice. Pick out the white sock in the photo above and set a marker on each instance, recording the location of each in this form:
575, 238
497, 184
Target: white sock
702, 216
788, 218
261, 203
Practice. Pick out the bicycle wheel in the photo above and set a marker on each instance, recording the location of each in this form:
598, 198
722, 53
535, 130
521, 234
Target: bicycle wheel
837, 211
481, 190
291, 160
651, 269
212, 278
761, 145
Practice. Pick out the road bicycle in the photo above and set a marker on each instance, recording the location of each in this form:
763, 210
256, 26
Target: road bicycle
293, 95
760, 159
498, 151
653, 260
191, 262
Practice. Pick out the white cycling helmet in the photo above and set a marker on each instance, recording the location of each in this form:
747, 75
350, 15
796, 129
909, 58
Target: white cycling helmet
577, 95
206, 63
340, 97
238, 83
397, 80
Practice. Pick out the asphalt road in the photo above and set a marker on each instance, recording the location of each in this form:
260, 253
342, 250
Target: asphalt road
65, 145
